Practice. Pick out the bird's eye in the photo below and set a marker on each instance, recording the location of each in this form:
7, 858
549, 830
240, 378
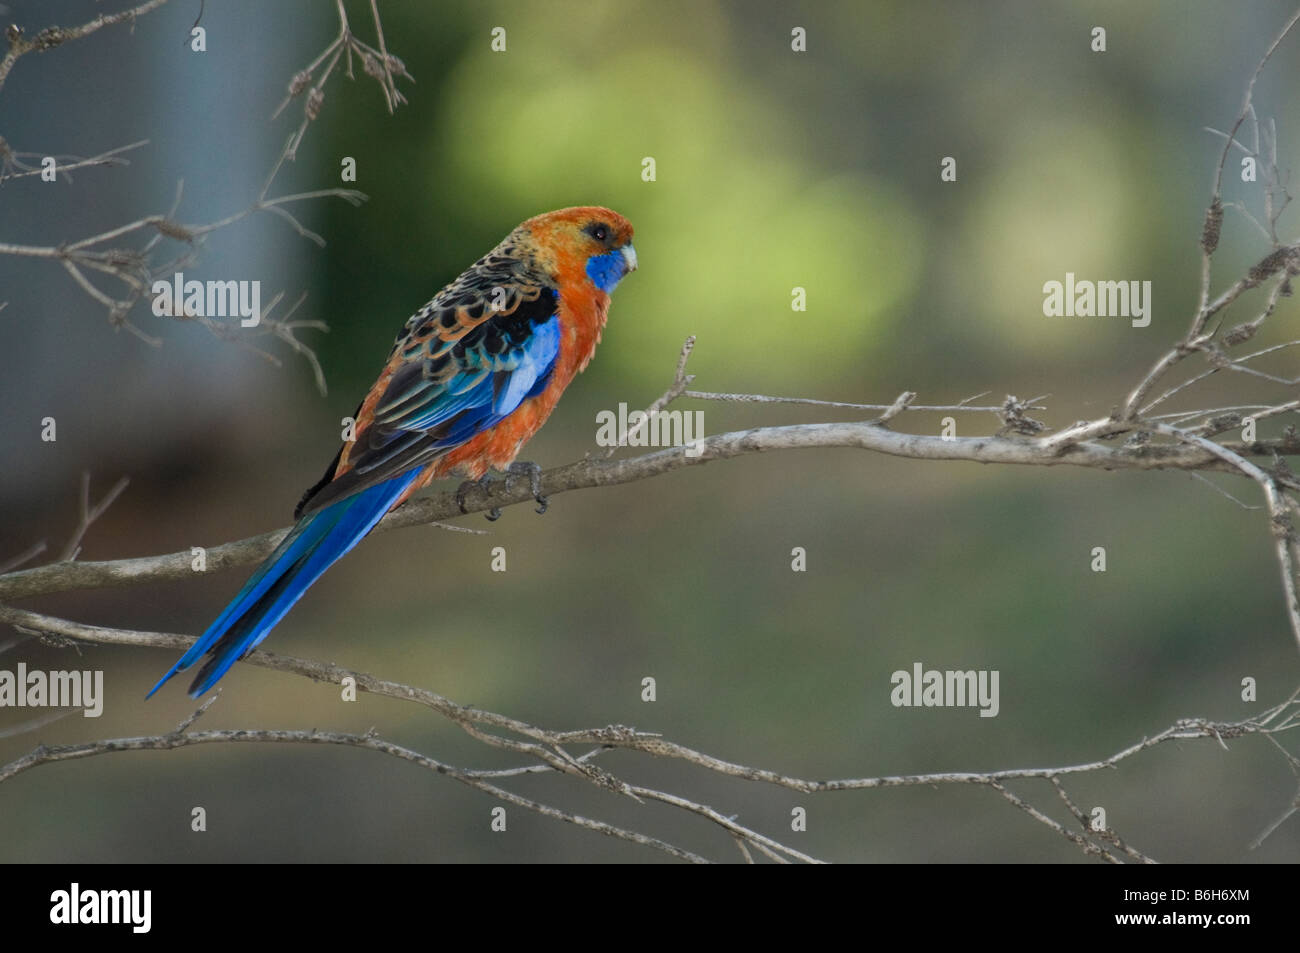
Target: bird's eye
598, 231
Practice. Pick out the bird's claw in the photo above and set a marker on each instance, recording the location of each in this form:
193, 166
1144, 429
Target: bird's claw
481, 485
534, 472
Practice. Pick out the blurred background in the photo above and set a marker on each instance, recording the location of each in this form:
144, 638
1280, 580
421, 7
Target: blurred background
775, 169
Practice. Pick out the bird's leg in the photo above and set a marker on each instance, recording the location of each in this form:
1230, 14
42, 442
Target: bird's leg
481, 485
534, 472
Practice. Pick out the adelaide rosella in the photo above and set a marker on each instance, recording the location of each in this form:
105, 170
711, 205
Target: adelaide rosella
473, 375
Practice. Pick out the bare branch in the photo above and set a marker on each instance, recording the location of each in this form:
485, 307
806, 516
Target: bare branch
590, 473
1077, 839
134, 268
181, 739
899, 405
765, 399
680, 380
27, 555
1284, 531
378, 64
11, 160
1247, 108
548, 745
54, 36
90, 513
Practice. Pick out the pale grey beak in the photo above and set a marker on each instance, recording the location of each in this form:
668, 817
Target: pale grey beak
629, 256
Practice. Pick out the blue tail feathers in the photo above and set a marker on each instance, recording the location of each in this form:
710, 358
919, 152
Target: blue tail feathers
318, 541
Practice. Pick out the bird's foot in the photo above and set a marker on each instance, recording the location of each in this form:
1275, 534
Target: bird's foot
534, 472
481, 486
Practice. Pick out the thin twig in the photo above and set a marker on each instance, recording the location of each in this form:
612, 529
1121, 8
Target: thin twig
54, 36
680, 380
63, 164
90, 513
182, 739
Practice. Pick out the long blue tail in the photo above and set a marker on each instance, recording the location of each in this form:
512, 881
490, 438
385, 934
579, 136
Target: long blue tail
312, 546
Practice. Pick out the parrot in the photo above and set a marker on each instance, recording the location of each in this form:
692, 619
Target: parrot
473, 375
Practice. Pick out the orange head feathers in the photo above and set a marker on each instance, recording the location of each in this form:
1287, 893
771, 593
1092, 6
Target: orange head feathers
571, 244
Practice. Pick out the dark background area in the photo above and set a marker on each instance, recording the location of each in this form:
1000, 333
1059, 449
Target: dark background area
775, 169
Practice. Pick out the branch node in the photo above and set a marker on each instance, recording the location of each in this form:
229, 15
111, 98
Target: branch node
1213, 226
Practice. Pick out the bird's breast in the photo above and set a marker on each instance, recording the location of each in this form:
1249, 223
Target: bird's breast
582, 318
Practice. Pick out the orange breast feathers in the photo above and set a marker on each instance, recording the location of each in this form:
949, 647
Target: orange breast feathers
497, 448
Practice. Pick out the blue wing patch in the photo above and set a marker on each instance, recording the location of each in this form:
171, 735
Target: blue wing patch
459, 377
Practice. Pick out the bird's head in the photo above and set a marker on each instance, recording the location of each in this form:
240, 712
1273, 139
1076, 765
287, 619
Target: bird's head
587, 243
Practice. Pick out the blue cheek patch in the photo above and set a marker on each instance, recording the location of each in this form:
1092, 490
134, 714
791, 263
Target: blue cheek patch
605, 271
